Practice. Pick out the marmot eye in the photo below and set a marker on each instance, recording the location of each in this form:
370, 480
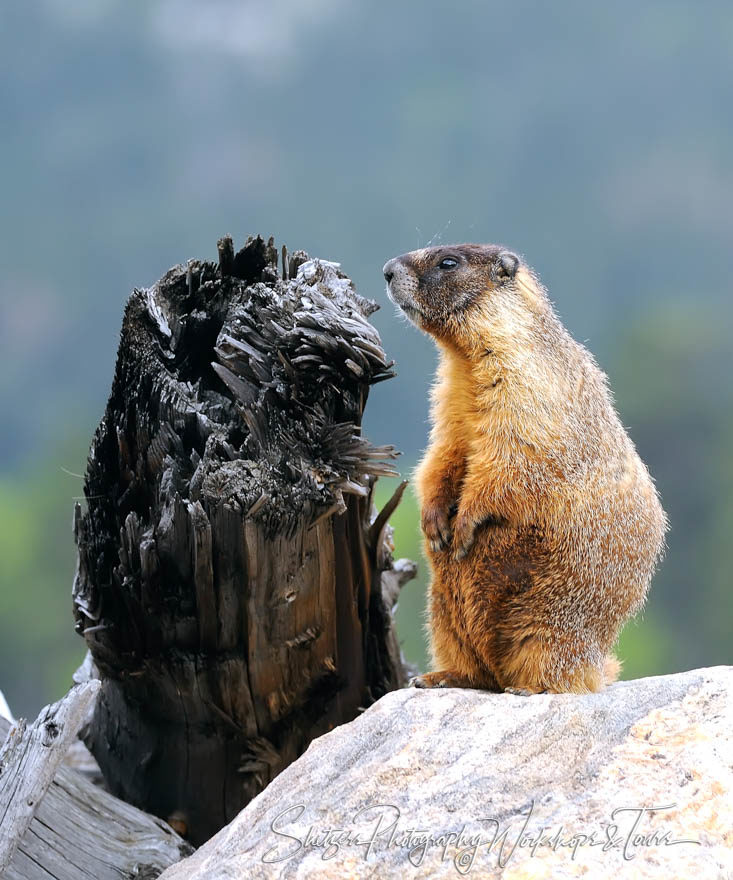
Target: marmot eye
448, 263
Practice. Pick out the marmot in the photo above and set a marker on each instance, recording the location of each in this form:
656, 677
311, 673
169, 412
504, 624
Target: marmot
542, 525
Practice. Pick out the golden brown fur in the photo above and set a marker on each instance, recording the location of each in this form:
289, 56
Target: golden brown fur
542, 525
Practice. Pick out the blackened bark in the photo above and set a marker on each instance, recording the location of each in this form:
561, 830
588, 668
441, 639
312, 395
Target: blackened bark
234, 586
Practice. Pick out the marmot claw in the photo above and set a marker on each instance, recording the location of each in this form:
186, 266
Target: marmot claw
437, 529
463, 537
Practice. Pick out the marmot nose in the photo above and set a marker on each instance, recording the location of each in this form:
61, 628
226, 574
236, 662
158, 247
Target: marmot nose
388, 269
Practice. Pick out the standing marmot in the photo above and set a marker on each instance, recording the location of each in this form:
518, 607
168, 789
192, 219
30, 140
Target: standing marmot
542, 525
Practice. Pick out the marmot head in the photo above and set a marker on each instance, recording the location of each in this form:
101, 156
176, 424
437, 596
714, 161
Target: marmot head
466, 293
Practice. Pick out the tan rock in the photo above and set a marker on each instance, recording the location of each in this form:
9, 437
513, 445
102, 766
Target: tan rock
633, 782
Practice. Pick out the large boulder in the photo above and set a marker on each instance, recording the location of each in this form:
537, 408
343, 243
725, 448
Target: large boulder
637, 780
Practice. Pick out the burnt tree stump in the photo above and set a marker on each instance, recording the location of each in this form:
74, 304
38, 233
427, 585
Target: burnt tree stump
234, 584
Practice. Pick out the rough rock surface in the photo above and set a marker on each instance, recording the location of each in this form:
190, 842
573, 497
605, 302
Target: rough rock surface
388, 794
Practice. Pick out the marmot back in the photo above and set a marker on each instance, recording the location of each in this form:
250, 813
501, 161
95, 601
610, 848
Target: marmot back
542, 525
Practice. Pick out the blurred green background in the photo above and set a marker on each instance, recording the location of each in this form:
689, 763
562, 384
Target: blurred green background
596, 139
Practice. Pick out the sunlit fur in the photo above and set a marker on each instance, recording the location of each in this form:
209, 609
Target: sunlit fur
531, 475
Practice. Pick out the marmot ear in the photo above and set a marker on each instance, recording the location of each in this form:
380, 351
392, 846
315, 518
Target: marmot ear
507, 264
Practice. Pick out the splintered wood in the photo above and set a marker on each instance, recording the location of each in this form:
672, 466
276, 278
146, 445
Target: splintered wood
234, 583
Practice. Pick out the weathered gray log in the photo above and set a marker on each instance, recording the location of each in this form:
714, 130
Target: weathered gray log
29, 759
54, 823
229, 582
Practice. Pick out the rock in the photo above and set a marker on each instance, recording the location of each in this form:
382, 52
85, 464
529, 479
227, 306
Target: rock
636, 780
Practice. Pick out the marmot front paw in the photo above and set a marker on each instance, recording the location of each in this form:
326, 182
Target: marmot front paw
463, 536
464, 532
436, 525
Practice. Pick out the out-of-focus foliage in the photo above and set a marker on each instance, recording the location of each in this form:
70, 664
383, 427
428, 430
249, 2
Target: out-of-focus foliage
38, 647
594, 138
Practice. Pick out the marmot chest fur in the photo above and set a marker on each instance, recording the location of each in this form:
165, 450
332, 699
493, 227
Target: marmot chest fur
542, 525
